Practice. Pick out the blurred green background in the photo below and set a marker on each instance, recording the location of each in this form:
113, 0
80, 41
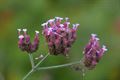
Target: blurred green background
95, 16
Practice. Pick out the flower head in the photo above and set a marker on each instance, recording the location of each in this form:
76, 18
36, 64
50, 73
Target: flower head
59, 36
24, 42
93, 52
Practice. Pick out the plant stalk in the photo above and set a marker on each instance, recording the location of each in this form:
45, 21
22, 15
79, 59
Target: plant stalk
34, 67
31, 60
59, 66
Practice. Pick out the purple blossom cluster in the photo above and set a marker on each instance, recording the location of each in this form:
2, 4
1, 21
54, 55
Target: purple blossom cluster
59, 36
24, 42
93, 52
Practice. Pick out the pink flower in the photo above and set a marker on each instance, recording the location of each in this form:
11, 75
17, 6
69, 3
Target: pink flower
59, 36
93, 52
24, 42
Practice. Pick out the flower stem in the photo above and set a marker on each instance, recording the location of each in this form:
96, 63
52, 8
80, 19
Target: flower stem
31, 60
83, 74
59, 66
41, 61
28, 74
33, 68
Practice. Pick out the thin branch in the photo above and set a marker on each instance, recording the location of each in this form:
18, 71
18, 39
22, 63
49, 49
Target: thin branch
59, 66
28, 74
33, 69
41, 61
31, 60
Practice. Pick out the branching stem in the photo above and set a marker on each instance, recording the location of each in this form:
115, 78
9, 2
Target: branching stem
34, 67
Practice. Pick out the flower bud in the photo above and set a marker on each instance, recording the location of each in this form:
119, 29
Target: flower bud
21, 42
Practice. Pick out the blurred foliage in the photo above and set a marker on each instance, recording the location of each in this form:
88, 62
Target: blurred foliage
95, 16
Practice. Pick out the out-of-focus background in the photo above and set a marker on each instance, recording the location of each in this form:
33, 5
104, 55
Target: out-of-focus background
95, 16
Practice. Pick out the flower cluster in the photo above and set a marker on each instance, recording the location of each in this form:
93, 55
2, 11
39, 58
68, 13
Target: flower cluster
59, 36
24, 42
93, 52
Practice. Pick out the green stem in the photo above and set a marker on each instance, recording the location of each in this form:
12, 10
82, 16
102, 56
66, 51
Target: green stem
31, 60
41, 61
59, 66
83, 74
28, 74
33, 69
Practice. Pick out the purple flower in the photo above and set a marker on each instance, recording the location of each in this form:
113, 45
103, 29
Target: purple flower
24, 42
59, 36
93, 52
